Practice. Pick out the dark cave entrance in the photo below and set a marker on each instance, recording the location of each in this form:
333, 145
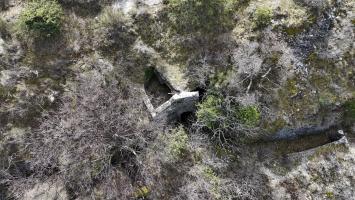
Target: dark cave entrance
187, 118
201, 91
157, 91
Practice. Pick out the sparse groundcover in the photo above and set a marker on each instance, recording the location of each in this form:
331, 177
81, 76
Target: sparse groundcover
349, 111
44, 17
200, 16
113, 32
5, 93
3, 28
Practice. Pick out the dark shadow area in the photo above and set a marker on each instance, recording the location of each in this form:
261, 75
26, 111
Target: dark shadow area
157, 91
187, 119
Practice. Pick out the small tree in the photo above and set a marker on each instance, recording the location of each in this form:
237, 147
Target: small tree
43, 17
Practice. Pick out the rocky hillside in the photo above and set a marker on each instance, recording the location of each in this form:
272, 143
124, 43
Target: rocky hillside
177, 99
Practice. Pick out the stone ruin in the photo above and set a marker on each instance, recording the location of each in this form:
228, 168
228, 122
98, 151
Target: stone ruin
167, 100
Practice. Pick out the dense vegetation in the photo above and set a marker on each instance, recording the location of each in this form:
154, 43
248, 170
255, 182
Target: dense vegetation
80, 80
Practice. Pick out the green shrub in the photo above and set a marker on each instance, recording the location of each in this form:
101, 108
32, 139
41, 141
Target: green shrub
249, 115
203, 16
42, 17
226, 120
178, 141
211, 177
262, 17
213, 110
209, 111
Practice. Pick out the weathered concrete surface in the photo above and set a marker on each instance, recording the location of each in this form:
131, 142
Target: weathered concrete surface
174, 107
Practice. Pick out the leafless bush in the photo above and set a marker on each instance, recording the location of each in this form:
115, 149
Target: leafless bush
90, 137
